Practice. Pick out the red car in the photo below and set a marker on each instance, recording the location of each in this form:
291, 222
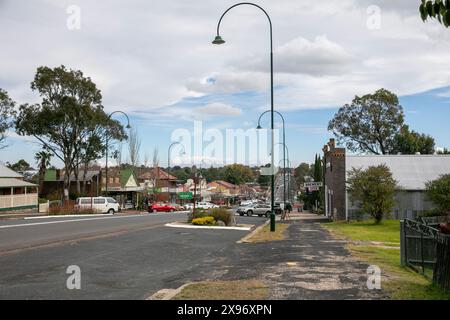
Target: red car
161, 207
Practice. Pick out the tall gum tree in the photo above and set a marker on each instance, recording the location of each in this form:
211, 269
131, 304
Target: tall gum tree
70, 121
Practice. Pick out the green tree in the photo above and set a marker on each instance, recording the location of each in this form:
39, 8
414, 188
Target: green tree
238, 174
43, 159
411, 142
444, 151
436, 9
369, 123
373, 189
302, 171
19, 166
70, 121
438, 191
7, 114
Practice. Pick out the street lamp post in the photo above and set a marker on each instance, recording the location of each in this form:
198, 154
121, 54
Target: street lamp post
218, 40
285, 150
107, 146
284, 142
289, 179
168, 157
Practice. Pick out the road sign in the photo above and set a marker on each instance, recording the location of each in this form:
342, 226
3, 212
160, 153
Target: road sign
313, 185
185, 195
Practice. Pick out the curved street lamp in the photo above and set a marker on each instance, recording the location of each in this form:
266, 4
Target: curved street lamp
107, 146
289, 176
285, 150
218, 40
284, 141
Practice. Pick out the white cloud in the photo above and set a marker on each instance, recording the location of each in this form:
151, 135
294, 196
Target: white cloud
219, 109
302, 56
146, 56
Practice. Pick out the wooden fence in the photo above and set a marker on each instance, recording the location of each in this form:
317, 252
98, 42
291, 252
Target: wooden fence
426, 250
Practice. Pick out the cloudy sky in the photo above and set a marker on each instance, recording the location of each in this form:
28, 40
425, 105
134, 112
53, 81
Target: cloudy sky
154, 59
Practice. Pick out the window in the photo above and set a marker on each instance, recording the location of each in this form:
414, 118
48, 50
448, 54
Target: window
111, 200
85, 201
99, 201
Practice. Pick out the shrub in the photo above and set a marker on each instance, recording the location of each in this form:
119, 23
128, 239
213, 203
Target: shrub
67, 208
205, 221
438, 191
197, 214
373, 189
221, 214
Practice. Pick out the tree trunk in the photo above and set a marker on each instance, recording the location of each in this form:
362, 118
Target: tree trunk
66, 183
86, 166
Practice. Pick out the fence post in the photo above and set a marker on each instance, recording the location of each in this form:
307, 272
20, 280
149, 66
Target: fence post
402, 243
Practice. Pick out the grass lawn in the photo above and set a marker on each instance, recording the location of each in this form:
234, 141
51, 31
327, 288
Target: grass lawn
387, 231
399, 282
224, 290
265, 235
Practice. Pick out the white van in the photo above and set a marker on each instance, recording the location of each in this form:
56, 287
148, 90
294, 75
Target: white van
98, 204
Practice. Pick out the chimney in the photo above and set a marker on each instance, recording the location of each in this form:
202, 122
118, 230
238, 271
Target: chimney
332, 144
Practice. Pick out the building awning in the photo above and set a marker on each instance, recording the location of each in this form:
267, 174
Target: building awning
15, 183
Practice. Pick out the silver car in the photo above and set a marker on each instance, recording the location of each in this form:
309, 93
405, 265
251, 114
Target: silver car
260, 209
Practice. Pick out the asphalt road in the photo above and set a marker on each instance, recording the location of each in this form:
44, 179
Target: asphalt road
120, 257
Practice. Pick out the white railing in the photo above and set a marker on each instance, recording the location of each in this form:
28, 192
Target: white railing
18, 200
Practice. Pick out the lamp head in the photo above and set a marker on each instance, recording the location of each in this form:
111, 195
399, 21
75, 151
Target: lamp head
128, 126
218, 40
259, 127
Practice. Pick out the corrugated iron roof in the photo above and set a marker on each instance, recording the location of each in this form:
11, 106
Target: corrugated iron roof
410, 171
6, 172
11, 182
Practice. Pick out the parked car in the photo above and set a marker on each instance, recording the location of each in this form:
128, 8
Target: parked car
177, 206
128, 204
161, 207
98, 204
188, 206
261, 209
205, 205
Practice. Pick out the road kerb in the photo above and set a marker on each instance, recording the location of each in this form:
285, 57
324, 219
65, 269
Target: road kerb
190, 226
168, 294
251, 234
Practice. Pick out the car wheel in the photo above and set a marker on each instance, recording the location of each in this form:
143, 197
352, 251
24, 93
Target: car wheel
111, 211
241, 214
154, 211
260, 215
171, 210
249, 213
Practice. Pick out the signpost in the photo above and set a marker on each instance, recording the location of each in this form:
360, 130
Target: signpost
185, 195
313, 184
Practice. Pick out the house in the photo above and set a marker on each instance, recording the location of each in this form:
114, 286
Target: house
53, 186
223, 192
410, 171
160, 184
123, 185
15, 193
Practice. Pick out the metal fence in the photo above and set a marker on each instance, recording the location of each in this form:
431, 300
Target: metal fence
426, 250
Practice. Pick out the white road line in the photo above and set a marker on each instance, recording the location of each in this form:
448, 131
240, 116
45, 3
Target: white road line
69, 216
79, 220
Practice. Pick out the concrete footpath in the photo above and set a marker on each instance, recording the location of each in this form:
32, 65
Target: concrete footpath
308, 264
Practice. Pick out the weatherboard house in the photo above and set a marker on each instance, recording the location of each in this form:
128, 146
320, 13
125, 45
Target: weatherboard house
15, 193
410, 171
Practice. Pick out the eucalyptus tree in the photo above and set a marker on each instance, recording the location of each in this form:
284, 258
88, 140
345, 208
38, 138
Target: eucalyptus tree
70, 121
